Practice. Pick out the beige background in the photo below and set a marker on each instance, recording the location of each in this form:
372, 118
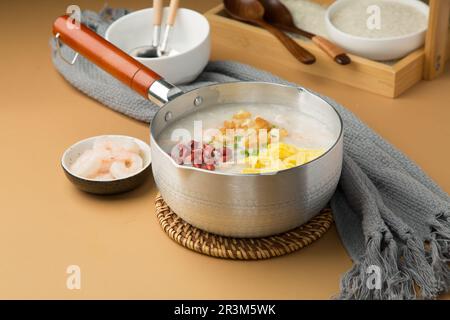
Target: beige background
46, 224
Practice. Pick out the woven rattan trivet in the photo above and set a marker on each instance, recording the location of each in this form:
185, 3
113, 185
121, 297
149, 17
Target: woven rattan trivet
236, 248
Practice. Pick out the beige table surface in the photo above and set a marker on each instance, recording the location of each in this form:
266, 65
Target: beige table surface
46, 224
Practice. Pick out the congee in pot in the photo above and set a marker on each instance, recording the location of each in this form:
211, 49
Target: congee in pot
246, 139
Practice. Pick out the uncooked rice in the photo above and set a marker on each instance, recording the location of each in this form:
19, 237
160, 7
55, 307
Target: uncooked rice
397, 19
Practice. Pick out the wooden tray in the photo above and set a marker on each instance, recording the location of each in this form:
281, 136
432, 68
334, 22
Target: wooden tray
252, 45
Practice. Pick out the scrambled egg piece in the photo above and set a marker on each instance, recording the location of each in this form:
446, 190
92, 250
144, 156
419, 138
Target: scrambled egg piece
280, 156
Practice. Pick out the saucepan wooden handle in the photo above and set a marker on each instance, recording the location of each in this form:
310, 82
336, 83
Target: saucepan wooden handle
105, 55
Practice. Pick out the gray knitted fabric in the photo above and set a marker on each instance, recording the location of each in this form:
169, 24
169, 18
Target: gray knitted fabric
390, 215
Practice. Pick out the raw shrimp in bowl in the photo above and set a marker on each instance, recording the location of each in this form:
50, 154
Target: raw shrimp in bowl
109, 159
108, 164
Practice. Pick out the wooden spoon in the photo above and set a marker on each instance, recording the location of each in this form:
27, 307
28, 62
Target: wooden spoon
252, 11
278, 15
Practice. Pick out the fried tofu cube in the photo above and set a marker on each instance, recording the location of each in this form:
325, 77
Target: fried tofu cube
228, 124
283, 133
247, 124
261, 123
241, 115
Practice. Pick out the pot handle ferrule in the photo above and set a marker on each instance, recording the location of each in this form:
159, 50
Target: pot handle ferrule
161, 92
104, 54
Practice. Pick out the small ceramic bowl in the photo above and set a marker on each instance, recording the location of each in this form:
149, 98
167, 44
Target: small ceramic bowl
380, 49
105, 187
189, 42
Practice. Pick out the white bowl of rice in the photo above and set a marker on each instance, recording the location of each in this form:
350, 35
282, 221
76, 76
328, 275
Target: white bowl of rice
378, 29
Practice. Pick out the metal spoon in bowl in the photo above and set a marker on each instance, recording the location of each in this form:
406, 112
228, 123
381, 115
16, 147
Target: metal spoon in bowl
152, 51
173, 8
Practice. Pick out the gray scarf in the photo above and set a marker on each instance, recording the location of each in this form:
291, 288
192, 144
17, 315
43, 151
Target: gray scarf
392, 218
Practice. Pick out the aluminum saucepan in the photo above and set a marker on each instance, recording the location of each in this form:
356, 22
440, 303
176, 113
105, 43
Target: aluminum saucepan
235, 205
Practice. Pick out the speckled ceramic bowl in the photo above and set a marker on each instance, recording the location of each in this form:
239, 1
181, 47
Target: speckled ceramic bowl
107, 186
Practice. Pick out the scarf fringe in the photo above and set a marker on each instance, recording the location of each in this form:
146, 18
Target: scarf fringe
439, 251
415, 265
402, 269
381, 252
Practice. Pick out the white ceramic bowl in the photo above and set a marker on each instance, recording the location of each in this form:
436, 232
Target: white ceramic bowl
190, 39
381, 49
105, 186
